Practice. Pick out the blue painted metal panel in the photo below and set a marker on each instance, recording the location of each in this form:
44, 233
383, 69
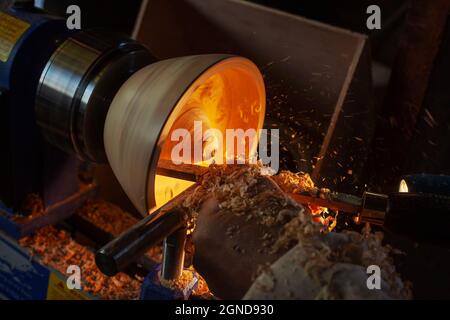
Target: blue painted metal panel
21, 278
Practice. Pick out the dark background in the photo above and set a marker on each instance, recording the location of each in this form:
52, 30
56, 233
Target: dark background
349, 14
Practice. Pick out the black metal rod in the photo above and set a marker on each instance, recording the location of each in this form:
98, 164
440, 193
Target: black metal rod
419, 216
126, 248
173, 255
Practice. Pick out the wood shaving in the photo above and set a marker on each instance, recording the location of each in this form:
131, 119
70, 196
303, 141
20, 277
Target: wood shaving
242, 189
202, 291
57, 249
107, 216
33, 206
113, 220
235, 187
181, 283
295, 182
322, 252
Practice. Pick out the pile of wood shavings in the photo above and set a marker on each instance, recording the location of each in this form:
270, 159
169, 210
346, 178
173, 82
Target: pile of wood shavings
107, 216
240, 189
181, 283
58, 250
300, 183
295, 182
236, 187
325, 252
186, 278
202, 289
113, 220
232, 186
34, 206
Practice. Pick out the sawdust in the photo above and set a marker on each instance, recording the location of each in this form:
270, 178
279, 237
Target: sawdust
245, 192
113, 220
295, 182
33, 207
323, 252
202, 291
301, 183
107, 216
181, 283
57, 249
242, 190
235, 187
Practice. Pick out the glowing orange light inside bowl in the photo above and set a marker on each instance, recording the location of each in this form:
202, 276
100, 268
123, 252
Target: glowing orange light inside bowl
229, 95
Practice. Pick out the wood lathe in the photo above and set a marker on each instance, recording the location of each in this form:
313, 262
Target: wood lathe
175, 118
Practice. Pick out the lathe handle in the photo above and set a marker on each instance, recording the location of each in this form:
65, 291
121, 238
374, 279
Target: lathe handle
420, 216
427, 183
130, 245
